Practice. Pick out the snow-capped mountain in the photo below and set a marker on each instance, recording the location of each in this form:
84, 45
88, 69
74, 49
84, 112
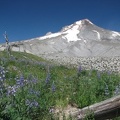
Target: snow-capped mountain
82, 38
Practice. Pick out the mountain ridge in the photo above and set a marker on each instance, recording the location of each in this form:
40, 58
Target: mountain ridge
80, 39
82, 22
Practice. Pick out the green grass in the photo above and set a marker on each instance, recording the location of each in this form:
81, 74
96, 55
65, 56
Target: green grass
47, 86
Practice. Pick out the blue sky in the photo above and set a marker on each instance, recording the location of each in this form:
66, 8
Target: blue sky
25, 19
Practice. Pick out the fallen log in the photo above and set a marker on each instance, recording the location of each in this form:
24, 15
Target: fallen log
107, 109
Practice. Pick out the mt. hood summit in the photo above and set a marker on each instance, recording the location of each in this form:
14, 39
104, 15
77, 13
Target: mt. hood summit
80, 39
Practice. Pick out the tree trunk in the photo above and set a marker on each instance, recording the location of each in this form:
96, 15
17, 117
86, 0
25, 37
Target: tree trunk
107, 109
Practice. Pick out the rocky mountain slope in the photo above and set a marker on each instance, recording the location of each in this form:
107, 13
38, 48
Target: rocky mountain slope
80, 39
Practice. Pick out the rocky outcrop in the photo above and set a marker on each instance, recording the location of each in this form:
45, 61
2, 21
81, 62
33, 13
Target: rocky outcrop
97, 63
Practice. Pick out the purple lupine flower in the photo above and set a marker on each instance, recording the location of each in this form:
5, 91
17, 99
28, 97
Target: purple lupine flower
1, 79
20, 81
35, 103
2, 73
37, 93
79, 69
11, 90
32, 103
53, 87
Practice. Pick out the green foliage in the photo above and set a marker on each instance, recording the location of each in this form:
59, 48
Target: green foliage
36, 86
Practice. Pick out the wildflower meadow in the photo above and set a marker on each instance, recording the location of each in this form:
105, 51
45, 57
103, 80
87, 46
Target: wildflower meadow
32, 88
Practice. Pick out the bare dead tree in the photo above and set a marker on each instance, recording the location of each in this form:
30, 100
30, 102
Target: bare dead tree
107, 109
7, 43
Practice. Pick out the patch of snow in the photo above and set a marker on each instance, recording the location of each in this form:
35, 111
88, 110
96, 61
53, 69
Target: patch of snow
98, 34
82, 22
50, 36
71, 34
115, 34
31, 44
79, 22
